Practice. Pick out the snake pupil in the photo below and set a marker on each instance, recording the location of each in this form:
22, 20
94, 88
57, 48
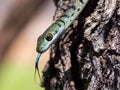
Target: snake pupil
49, 37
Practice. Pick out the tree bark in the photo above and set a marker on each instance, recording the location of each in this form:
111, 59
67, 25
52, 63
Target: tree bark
87, 55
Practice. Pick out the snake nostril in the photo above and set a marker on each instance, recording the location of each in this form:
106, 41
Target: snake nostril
49, 37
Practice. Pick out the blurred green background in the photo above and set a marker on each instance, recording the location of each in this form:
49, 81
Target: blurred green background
17, 77
21, 22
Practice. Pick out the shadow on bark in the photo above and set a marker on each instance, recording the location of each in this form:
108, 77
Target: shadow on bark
87, 56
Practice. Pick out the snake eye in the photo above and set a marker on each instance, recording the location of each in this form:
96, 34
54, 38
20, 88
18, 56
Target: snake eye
49, 37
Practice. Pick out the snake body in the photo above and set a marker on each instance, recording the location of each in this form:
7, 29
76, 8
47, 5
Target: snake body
58, 28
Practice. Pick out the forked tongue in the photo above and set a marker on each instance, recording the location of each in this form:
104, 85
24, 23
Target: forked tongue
36, 66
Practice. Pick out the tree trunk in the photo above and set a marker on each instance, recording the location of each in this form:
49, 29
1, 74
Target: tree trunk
87, 55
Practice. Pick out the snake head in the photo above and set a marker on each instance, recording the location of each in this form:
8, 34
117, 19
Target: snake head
44, 42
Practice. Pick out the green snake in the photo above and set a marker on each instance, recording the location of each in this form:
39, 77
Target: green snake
58, 28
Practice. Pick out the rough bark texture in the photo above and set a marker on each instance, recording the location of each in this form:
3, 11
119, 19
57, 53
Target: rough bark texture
87, 56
